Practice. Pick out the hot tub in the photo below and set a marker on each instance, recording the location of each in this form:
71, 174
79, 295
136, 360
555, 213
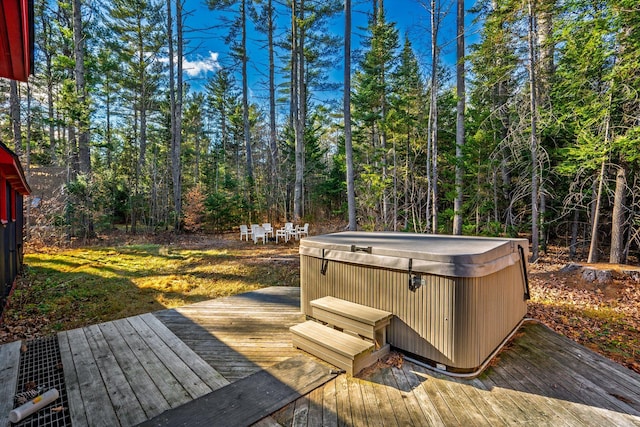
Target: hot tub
455, 299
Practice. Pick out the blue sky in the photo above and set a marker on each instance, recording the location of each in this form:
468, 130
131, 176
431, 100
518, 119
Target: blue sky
207, 51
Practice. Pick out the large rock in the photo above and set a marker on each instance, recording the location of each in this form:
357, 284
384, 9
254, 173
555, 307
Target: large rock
593, 275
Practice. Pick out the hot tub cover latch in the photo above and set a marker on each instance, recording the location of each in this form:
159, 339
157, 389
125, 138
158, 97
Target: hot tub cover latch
324, 265
414, 281
527, 294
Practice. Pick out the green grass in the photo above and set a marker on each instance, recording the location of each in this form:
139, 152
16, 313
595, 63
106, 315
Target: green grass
64, 289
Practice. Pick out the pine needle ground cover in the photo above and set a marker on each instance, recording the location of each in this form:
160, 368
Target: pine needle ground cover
601, 315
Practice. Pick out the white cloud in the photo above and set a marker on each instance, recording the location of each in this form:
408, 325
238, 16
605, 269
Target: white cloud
201, 65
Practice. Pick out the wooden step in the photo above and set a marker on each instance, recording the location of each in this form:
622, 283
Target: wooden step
342, 350
360, 319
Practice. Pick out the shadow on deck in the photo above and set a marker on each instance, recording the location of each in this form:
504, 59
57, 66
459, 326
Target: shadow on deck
131, 370
540, 378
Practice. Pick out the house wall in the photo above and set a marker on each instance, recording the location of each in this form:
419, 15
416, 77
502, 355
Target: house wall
11, 240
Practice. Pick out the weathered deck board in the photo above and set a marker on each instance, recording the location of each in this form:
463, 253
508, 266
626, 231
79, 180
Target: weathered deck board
586, 381
127, 371
314, 416
595, 370
209, 376
374, 417
144, 389
92, 391
395, 397
386, 408
429, 411
343, 403
72, 383
520, 368
329, 405
301, 412
168, 386
410, 400
541, 379
129, 410
9, 366
242, 334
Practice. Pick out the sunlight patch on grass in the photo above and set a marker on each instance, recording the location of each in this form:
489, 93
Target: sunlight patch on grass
75, 287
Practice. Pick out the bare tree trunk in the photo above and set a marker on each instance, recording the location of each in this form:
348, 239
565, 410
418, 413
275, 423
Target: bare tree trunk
84, 152
245, 106
172, 100
385, 171
574, 234
495, 193
27, 166
198, 148
383, 136
432, 144
632, 231
595, 221
14, 113
273, 144
300, 117
406, 182
461, 94
618, 218
295, 97
177, 151
395, 187
155, 201
435, 24
83, 125
543, 223
48, 72
535, 232
143, 99
547, 47
351, 196
72, 174
434, 167
61, 132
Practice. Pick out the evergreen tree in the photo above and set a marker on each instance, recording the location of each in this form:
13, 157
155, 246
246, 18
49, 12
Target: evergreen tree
138, 29
408, 119
346, 106
371, 98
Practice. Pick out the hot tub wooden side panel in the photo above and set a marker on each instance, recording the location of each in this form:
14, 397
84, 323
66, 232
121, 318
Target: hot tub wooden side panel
495, 305
450, 320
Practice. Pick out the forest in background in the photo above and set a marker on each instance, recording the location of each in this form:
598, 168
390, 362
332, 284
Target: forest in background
533, 131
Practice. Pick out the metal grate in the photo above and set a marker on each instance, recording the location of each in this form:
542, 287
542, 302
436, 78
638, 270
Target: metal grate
41, 370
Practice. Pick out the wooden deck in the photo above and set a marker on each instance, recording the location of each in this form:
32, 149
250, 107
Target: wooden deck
242, 334
541, 379
129, 371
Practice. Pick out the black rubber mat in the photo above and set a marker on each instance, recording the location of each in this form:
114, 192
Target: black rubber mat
40, 371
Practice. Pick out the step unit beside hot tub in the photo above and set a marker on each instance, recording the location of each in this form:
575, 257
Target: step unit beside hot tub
348, 335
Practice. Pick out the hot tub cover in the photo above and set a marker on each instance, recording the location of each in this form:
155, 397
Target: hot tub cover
455, 256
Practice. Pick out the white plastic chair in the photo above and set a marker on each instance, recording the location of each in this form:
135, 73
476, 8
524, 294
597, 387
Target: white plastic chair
259, 233
244, 231
268, 229
281, 232
290, 230
303, 230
